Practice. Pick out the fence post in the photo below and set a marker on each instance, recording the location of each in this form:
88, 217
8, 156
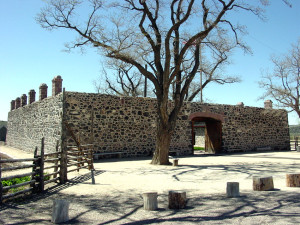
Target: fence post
41, 175
0, 182
91, 159
79, 158
56, 162
63, 172
34, 170
92, 150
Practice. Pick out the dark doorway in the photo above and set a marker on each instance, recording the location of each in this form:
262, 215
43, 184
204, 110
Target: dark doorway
3, 132
211, 131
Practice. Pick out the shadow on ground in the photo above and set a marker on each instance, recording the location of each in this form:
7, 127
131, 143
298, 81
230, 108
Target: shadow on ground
126, 208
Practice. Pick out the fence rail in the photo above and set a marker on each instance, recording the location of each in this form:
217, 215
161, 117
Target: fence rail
57, 165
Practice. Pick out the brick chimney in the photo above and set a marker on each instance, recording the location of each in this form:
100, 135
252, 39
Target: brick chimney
31, 95
23, 100
43, 91
56, 85
12, 105
268, 104
18, 103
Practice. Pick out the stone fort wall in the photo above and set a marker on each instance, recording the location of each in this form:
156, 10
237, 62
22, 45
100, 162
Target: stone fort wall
250, 128
27, 125
117, 124
128, 124
30, 120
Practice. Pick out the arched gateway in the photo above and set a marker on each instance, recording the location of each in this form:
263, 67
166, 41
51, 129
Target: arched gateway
207, 130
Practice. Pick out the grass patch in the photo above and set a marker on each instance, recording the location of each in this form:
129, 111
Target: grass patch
199, 148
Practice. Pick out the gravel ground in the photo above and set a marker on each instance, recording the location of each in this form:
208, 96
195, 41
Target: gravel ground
116, 198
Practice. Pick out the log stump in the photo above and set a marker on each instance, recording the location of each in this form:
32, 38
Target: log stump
233, 189
263, 183
60, 211
150, 201
177, 199
175, 162
293, 180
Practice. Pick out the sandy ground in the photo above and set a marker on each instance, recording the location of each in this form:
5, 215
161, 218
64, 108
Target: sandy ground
116, 198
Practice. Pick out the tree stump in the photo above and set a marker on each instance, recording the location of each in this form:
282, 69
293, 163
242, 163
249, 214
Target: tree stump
263, 183
175, 162
150, 201
233, 189
293, 180
60, 211
177, 199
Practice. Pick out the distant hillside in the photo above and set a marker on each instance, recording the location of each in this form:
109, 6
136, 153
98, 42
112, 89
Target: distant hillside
3, 123
295, 130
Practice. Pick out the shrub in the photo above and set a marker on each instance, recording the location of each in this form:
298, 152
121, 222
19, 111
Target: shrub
15, 181
19, 181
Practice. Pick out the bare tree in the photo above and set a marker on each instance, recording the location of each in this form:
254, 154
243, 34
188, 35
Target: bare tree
283, 83
122, 80
214, 56
151, 32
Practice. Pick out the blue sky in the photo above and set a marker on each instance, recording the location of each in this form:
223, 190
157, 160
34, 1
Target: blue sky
31, 55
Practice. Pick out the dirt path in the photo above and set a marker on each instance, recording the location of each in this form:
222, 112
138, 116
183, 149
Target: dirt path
116, 198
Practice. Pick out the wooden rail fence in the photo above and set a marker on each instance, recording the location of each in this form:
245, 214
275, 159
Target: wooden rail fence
59, 163
79, 156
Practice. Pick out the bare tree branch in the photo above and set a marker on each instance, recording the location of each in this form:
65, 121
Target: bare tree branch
282, 84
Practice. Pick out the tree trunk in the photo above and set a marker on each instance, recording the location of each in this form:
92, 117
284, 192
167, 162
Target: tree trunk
161, 154
166, 122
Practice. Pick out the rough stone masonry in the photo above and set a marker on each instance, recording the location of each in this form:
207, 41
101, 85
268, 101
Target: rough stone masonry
128, 124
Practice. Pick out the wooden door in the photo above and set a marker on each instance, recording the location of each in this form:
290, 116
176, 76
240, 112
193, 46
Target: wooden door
213, 137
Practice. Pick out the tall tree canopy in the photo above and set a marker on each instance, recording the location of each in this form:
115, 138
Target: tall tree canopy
165, 35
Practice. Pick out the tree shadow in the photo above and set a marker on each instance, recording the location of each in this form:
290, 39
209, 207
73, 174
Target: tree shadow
248, 169
125, 207
85, 209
